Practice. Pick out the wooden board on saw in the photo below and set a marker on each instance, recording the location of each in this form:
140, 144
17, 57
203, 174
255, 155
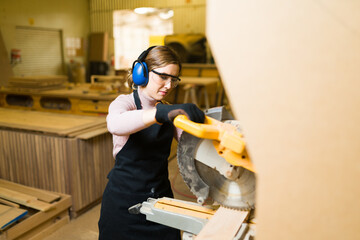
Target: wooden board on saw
76, 163
25, 220
223, 225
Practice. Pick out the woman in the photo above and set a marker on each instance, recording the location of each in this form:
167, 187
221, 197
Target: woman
142, 130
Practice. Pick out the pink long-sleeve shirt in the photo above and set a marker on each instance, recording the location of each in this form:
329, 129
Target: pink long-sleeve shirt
124, 119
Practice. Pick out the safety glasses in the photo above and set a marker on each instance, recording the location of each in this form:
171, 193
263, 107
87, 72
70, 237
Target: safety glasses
164, 78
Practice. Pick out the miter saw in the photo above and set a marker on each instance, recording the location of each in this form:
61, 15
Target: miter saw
214, 164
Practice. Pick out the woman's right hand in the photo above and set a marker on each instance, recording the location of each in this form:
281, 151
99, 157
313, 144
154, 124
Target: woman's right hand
167, 113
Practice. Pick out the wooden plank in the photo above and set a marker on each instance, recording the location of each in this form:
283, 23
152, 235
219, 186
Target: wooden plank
24, 199
16, 196
52, 228
37, 229
8, 203
39, 205
39, 218
9, 215
43, 195
95, 132
87, 130
223, 225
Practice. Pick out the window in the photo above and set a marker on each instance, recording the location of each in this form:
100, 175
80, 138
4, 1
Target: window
135, 31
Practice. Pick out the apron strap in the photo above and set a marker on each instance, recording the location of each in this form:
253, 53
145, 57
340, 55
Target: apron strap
137, 100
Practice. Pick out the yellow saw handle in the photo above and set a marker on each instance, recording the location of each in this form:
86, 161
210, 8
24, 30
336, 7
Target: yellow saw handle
228, 142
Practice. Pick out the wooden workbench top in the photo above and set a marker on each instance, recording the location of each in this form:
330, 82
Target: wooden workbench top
47, 122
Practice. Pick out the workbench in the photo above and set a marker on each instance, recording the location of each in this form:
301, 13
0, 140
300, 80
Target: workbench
74, 99
65, 153
197, 87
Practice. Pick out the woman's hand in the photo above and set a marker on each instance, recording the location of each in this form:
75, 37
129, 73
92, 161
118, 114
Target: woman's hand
167, 113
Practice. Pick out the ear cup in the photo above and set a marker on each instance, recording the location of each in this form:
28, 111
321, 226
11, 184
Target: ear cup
140, 73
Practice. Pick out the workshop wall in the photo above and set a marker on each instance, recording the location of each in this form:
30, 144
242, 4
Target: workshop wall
72, 17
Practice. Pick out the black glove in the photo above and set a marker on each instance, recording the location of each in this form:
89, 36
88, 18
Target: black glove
167, 113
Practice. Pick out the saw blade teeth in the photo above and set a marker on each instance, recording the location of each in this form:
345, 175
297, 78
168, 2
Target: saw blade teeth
238, 209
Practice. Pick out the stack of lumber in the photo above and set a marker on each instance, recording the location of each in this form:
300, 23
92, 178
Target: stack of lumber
37, 83
30, 213
64, 153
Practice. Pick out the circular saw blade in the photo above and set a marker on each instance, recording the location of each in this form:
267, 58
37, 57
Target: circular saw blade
204, 181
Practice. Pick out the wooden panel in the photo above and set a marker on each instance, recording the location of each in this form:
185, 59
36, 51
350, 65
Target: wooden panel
291, 72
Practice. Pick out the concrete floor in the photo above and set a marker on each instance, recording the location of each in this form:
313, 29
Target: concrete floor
84, 227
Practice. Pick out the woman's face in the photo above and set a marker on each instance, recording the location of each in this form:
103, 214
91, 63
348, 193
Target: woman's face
160, 81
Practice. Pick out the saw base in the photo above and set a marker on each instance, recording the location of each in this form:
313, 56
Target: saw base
190, 217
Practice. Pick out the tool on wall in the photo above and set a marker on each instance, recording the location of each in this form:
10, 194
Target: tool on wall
15, 56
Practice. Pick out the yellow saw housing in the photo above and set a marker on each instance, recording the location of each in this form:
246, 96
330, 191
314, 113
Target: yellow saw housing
228, 142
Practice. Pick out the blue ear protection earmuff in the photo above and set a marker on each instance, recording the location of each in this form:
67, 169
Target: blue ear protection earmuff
140, 72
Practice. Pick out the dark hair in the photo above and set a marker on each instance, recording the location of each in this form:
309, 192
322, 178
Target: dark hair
159, 56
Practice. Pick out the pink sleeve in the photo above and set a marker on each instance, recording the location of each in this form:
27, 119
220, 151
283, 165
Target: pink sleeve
123, 117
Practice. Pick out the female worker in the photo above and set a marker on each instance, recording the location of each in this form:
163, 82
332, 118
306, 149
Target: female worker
142, 130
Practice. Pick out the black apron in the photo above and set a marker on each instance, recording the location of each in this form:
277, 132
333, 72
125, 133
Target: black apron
140, 172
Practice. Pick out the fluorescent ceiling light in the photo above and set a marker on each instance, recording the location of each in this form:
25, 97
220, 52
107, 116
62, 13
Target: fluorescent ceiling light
166, 15
144, 10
